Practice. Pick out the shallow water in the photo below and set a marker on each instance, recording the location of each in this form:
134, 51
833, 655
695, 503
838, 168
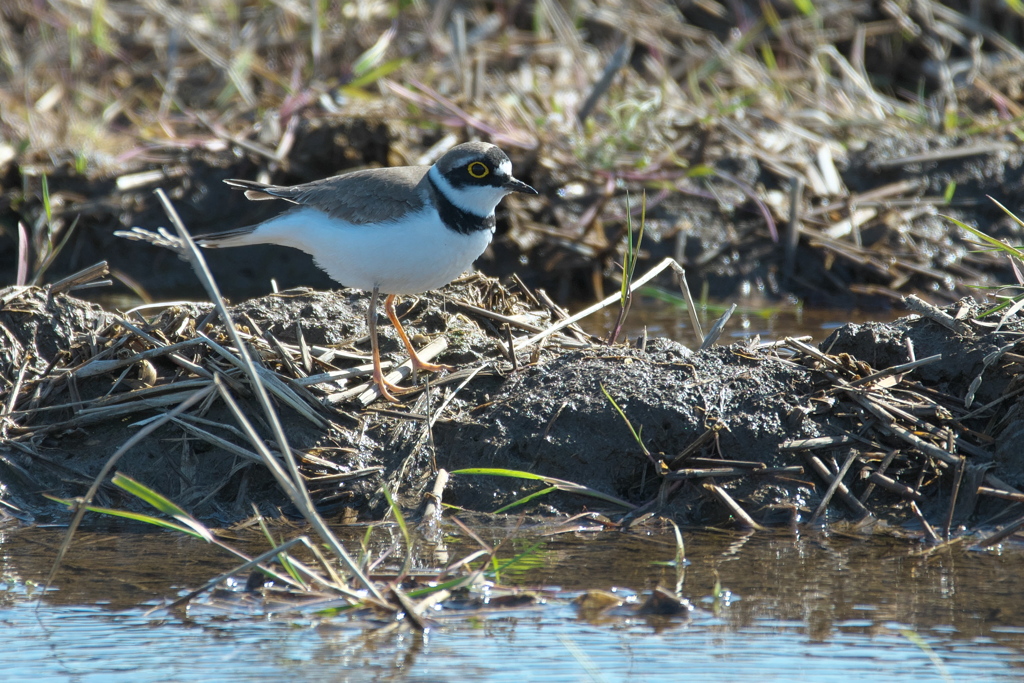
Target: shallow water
819, 607
771, 321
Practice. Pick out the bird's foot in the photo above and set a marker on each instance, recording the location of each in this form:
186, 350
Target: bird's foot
419, 365
388, 390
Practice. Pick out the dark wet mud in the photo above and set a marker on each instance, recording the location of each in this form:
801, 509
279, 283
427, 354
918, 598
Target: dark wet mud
919, 418
895, 240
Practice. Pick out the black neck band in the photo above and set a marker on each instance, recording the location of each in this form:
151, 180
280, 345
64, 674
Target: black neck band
457, 219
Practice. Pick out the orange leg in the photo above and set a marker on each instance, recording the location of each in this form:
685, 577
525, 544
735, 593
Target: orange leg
417, 362
387, 389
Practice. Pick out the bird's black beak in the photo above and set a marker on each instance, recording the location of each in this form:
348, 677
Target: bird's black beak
514, 185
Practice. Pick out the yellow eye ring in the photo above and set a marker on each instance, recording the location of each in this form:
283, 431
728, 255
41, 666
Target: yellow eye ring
478, 169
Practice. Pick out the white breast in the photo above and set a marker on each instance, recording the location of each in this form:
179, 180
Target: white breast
404, 257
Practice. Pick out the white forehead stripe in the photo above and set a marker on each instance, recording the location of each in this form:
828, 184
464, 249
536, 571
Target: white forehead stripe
505, 169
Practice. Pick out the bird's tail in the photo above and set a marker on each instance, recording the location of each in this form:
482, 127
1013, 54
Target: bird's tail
255, 191
238, 237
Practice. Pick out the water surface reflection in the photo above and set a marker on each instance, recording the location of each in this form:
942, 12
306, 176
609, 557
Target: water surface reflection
816, 607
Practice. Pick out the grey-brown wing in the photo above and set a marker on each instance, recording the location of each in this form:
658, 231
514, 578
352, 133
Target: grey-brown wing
369, 196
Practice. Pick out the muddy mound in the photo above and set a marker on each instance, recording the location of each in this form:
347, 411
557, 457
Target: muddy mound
554, 418
907, 421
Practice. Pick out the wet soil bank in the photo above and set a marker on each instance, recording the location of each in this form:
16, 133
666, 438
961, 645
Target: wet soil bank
920, 417
737, 230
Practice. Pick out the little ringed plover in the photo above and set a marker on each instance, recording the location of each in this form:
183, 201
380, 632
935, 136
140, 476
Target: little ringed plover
400, 230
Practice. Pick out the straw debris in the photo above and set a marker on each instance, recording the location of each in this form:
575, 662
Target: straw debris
860, 428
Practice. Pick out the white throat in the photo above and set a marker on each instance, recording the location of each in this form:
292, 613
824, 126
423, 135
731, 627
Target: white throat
477, 200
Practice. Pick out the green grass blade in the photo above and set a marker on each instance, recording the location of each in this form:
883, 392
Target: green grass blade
632, 254
399, 517
947, 196
161, 503
625, 419
52, 252
497, 472
376, 74
428, 590
124, 514
524, 501
47, 204
1007, 211
998, 307
521, 558
701, 171
140, 490
364, 549
283, 558
560, 484
996, 244
921, 643
806, 7
677, 300
98, 27
371, 57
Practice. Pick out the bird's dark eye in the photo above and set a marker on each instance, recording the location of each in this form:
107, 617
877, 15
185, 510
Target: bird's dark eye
478, 169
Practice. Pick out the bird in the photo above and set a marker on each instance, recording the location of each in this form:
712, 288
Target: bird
398, 231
